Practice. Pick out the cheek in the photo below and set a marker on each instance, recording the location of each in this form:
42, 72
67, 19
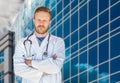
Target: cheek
47, 24
36, 24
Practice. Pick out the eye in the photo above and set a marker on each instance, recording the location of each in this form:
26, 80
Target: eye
38, 20
44, 20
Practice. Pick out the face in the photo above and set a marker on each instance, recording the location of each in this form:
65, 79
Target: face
42, 22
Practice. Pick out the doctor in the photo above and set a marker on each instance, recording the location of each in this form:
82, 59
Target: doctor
39, 57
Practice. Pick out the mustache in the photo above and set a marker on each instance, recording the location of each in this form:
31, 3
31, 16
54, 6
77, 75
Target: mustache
40, 26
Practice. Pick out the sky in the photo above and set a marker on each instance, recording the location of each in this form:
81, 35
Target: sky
9, 9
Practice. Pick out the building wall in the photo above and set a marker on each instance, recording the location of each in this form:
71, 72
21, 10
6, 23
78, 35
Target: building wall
91, 30
1, 67
6, 54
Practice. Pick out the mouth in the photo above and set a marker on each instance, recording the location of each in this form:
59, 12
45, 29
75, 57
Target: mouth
40, 26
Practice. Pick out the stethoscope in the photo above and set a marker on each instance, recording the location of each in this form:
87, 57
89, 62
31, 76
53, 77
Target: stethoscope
28, 43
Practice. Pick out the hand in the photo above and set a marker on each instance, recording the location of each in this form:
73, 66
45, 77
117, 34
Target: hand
54, 57
28, 62
45, 74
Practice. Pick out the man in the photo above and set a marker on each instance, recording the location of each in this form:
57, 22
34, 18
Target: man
39, 57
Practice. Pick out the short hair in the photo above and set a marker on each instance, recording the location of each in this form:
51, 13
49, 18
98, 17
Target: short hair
44, 9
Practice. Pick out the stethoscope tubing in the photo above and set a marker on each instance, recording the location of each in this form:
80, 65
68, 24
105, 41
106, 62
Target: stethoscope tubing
28, 40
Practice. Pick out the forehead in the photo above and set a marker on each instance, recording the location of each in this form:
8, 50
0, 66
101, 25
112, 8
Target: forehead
42, 15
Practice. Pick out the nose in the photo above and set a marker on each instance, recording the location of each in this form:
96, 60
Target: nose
41, 22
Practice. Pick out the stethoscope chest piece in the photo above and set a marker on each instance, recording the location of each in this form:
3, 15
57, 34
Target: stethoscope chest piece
45, 54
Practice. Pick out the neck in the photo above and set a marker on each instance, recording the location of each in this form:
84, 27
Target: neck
41, 35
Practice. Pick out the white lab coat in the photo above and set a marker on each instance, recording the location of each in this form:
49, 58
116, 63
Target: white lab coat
34, 74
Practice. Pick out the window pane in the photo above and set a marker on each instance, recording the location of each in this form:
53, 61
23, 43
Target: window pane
92, 37
83, 78
104, 37
59, 7
53, 22
115, 78
66, 2
115, 46
66, 27
103, 18
66, 70
67, 10
74, 66
114, 11
74, 37
74, 3
113, 1
103, 4
53, 12
103, 70
74, 48
93, 43
74, 54
83, 43
83, 61
1, 57
93, 56
67, 42
115, 65
83, 15
74, 21
1, 76
103, 51
54, 32
104, 30
93, 25
92, 74
92, 8
74, 80
83, 32
83, 49
67, 54
104, 80
115, 24
74, 10
59, 31
115, 31
59, 18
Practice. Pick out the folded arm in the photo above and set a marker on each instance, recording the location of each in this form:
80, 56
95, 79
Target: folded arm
51, 65
20, 68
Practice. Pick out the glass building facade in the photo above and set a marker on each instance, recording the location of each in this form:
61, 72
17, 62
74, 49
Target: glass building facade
91, 31
1, 71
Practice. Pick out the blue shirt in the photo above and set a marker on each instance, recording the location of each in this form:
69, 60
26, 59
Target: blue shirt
41, 38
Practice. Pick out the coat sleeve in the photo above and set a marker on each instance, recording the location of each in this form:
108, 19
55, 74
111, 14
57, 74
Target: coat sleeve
20, 68
49, 65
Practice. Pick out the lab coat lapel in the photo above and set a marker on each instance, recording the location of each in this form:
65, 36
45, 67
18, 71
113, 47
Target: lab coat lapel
35, 45
44, 44
39, 49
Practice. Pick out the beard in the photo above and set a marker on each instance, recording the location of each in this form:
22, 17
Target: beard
43, 29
